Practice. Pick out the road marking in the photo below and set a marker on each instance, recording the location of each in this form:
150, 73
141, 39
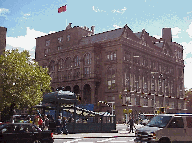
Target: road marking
106, 140
132, 139
119, 141
72, 141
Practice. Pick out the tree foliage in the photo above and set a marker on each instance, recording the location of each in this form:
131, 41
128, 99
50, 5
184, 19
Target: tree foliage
22, 81
188, 96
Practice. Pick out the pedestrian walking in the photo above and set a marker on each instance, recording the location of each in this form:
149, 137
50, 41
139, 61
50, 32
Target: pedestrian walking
64, 126
40, 122
58, 126
36, 120
46, 123
131, 123
69, 120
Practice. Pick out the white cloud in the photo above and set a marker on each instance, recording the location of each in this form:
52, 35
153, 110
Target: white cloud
116, 26
3, 12
187, 49
27, 42
189, 31
189, 12
188, 63
97, 10
51, 32
157, 36
175, 32
121, 11
187, 73
26, 15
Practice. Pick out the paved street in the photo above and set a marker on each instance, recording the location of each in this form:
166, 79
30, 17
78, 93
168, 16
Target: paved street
121, 136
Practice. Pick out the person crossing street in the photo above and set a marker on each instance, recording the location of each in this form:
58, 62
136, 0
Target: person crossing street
131, 123
64, 126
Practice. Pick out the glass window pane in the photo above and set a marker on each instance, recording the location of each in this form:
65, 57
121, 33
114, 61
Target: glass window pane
109, 83
177, 122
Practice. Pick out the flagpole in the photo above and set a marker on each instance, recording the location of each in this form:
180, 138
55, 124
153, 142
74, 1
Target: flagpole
66, 22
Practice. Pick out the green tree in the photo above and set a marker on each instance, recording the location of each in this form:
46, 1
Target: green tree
22, 81
188, 97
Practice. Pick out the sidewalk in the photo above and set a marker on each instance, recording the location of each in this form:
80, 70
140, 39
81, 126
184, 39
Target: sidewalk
122, 133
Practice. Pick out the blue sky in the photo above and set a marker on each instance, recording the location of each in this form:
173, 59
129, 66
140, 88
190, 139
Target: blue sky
27, 19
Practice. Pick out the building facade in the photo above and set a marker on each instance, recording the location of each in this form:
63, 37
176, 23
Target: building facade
137, 72
3, 32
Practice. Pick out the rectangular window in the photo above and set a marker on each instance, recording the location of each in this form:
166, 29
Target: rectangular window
68, 37
60, 39
114, 56
111, 56
47, 42
109, 84
108, 57
87, 71
59, 48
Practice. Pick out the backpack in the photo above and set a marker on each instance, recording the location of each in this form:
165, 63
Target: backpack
40, 122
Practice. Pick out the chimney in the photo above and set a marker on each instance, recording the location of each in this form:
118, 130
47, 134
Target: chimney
166, 34
92, 29
69, 26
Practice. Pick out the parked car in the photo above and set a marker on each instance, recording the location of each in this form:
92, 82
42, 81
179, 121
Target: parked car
166, 128
21, 118
25, 133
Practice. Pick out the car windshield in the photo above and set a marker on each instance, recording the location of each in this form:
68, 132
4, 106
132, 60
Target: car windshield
159, 121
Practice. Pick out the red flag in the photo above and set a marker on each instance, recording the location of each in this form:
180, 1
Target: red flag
62, 9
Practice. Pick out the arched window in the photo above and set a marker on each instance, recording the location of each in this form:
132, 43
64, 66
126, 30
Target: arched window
68, 63
77, 61
61, 64
87, 59
111, 78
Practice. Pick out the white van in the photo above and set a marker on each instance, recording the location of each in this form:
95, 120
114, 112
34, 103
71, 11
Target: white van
166, 128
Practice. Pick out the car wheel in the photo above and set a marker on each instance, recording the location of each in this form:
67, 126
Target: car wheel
164, 140
36, 141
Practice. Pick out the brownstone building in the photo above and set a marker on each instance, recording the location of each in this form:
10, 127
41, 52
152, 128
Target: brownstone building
3, 32
134, 70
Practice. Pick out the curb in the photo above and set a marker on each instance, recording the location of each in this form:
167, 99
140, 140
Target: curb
92, 137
